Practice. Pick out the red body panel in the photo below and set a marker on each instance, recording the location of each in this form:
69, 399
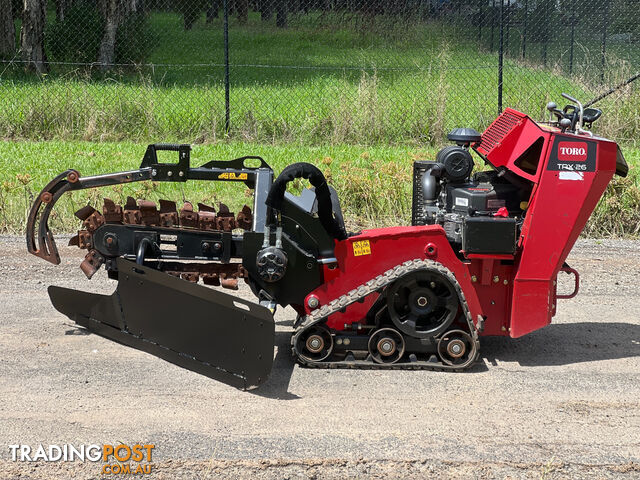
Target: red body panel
515, 295
558, 211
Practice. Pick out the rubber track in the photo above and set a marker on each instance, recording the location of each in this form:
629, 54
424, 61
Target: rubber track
375, 285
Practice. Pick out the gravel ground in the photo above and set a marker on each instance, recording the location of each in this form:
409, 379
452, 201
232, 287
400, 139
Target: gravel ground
563, 402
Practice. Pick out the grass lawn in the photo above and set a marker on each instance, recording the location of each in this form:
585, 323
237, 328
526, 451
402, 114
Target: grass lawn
361, 103
306, 84
374, 183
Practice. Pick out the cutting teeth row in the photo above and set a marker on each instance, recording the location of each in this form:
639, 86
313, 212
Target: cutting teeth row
145, 212
226, 276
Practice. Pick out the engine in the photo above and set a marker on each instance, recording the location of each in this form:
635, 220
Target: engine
479, 212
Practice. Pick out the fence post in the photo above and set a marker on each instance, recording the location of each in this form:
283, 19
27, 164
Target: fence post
524, 29
500, 56
227, 112
604, 38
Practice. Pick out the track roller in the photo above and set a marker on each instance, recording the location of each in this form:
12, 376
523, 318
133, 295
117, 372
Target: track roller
386, 345
456, 347
316, 344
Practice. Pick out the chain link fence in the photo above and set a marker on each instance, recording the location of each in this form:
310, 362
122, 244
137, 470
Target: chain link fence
311, 71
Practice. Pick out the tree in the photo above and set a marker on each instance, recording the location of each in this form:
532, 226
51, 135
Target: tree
282, 8
7, 29
212, 11
266, 10
191, 10
32, 36
114, 12
242, 7
61, 9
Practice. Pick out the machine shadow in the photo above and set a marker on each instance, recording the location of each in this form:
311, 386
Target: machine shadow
277, 386
566, 343
554, 345
76, 330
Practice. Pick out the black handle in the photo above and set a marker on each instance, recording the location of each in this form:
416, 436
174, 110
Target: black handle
170, 147
151, 158
316, 178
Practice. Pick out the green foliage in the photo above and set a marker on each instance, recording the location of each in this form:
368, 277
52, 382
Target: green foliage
191, 10
374, 183
135, 39
77, 38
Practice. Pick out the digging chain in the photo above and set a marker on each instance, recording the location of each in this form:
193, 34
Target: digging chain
376, 284
146, 213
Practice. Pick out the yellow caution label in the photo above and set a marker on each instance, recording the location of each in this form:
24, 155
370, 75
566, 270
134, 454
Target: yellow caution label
232, 176
361, 248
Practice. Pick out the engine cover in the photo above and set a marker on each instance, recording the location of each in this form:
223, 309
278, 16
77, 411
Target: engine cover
482, 198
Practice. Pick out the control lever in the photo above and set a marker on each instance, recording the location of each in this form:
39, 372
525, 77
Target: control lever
565, 123
553, 110
580, 109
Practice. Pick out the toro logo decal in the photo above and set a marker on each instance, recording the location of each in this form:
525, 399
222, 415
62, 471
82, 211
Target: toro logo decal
572, 151
573, 155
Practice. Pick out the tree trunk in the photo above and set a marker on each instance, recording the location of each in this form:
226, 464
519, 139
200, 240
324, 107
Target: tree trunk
7, 29
242, 7
114, 12
61, 7
281, 13
212, 11
266, 10
32, 36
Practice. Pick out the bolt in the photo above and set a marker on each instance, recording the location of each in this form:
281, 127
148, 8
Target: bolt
504, 329
154, 172
506, 282
181, 173
474, 278
313, 302
169, 173
347, 341
422, 301
496, 279
110, 240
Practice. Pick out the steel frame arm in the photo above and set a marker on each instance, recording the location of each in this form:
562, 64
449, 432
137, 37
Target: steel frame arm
40, 241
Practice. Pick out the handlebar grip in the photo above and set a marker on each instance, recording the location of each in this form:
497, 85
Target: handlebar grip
170, 147
316, 178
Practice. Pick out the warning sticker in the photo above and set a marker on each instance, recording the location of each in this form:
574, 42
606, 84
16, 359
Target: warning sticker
233, 176
361, 248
